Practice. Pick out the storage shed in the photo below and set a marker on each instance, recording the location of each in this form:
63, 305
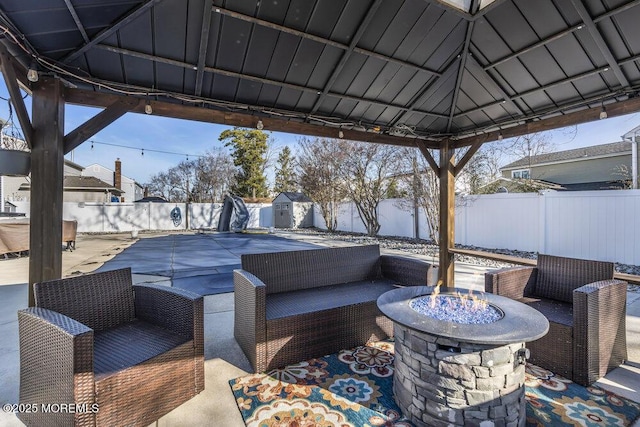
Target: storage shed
292, 210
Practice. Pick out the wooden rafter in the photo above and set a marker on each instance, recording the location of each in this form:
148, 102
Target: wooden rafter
322, 40
187, 112
127, 19
600, 41
467, 156
256, 79
101, 120
204, 45
10, 80
424, 149
620, 108
347, 54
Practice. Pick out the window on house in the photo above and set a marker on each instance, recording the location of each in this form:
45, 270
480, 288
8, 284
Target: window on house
521, 174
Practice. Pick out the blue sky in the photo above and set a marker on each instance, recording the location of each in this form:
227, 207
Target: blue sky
150, 132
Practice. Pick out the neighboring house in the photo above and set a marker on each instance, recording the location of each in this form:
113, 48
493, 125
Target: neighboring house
599, 167
82, 189
512, 185
13, 188
131, 190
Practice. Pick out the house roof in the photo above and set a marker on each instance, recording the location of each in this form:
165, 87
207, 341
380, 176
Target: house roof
386, 71
518, 186
153, 199
82, 183
593, 151
296, 197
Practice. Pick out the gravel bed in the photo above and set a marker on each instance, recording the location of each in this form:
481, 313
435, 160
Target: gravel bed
428, 248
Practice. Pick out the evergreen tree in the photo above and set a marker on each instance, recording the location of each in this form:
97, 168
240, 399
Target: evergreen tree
285, 179
248, 150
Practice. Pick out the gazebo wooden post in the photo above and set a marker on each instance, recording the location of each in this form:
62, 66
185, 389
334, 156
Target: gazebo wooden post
446, 237
47, 175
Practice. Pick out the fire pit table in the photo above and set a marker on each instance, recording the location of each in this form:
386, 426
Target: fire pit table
452, 373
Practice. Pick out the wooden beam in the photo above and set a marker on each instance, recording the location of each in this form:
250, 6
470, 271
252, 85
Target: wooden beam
427, 155
621, 108
467, 156
14, 93
126, 20
95, 124
47, 176
187, 112
446, 236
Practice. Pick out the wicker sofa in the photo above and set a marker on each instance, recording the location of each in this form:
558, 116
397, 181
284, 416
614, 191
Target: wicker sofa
121, 354
586, 310
296, 305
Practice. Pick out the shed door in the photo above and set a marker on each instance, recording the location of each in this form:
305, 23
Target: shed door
283, 215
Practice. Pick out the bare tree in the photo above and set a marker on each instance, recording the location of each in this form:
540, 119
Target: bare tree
319, 162
422, 187
369, 172
204, 180
213, 176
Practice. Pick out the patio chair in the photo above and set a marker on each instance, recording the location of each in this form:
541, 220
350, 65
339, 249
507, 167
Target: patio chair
586, 310
119, 354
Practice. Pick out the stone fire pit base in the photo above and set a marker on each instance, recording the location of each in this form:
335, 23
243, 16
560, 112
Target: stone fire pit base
441, 382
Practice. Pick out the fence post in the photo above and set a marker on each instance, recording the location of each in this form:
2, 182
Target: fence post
542, 222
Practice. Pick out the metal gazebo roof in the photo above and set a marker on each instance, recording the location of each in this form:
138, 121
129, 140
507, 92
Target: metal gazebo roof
395, 70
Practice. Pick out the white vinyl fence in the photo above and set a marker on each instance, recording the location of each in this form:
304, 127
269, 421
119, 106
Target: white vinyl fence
119, 217
601, 225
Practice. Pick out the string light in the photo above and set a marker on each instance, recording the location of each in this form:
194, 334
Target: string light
603, 113
259, 125
32, 74
340, 134
147, 107
142, 150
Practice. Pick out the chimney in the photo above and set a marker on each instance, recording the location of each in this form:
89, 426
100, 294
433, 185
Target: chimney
117, 175
146, 192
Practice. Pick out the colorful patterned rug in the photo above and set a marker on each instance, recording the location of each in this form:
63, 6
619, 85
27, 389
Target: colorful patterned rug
354, 388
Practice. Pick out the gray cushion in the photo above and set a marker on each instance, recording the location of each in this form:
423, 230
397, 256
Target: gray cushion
293, 303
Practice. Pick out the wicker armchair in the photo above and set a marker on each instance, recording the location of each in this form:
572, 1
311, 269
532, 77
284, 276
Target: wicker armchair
121, 355
586, 309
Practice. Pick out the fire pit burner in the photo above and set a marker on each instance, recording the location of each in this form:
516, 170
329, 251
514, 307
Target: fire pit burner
457, 309
459, 374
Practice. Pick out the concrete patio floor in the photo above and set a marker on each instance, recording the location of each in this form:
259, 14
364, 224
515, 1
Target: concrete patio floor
224, 360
